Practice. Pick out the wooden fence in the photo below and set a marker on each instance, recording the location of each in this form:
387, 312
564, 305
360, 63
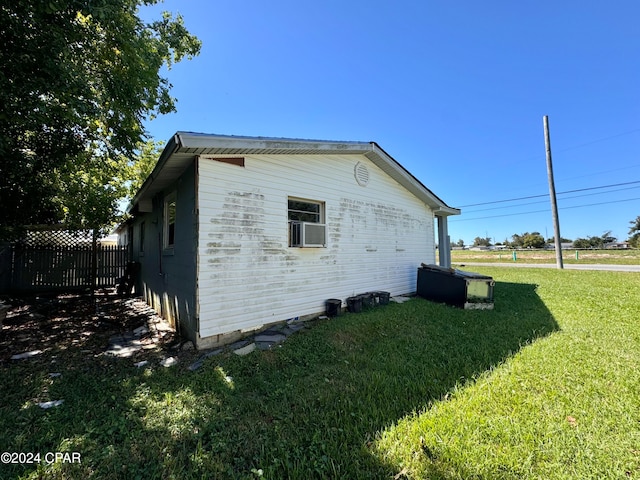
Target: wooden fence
60, 268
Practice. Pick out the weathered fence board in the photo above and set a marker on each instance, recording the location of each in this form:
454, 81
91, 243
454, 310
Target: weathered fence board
40, 268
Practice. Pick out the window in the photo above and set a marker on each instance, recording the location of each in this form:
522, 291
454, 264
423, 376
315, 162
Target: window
306, 223
170, 221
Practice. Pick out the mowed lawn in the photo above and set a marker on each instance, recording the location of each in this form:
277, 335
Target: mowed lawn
545, 386
569, 256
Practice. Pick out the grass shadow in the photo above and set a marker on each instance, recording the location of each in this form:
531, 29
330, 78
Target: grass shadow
310, 408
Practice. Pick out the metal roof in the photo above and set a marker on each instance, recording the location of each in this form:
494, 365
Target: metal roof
183, 147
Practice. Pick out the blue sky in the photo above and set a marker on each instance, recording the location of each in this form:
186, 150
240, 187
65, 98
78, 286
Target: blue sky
454, 91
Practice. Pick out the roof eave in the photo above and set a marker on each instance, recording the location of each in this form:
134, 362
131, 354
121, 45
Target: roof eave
396, 171
183, 147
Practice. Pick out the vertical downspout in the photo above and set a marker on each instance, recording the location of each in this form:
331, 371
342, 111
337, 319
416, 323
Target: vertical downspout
444, 243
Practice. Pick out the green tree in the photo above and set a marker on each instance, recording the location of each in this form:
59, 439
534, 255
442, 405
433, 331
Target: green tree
634, 231
533, 240
591, 242
516, 240
528, 240
141, 166
608, 238
482, 242
77, 80
582, 243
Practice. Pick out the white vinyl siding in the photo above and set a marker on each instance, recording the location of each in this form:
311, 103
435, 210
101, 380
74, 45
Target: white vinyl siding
377, 235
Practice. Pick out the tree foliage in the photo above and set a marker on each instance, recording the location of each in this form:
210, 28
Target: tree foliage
482, 242
142, 165
595, 241
77, 80
634, 231
528, 240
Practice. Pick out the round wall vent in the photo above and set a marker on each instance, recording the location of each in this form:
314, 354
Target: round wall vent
361, 173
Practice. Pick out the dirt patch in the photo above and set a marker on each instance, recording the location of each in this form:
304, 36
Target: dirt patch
68, 327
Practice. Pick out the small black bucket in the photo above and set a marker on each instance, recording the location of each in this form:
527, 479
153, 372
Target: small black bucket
383, 298
333, 307
368, 300
354, 304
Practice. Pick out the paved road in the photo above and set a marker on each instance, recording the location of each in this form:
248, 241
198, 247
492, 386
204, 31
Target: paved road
578, 266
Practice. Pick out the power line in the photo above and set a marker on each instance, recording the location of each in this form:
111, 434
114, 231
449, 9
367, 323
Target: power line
536, 157
545, 201
600, 140
546, 194
540, 211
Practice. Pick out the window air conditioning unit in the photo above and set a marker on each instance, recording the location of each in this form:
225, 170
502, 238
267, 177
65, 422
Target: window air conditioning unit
306, 234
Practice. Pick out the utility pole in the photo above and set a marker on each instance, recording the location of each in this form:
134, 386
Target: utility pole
552, 195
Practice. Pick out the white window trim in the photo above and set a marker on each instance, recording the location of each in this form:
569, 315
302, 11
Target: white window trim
300, 227
170, 198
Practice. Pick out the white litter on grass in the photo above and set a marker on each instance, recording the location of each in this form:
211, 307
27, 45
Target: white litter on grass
55, 375
54, 403
169, 362
21, 356
141, 364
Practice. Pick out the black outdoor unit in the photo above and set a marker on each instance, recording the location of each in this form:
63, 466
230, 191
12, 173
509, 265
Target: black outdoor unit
455, 287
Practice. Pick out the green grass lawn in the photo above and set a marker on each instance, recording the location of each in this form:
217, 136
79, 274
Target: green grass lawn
615, 257
544, 386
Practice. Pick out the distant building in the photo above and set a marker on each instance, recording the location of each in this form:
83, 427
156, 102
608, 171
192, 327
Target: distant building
618, 245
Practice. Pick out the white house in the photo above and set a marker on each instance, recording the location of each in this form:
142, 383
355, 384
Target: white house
234, 233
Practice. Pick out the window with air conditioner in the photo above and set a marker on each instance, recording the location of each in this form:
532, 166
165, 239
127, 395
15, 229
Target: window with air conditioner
306, 223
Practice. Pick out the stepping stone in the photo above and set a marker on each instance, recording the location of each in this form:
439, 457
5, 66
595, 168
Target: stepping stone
238, 344
195, 365
270, 337
217, 351
296, 327
125, 349
198, 363
276, 329
245, 350
138, 332
400, 299
21, 356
